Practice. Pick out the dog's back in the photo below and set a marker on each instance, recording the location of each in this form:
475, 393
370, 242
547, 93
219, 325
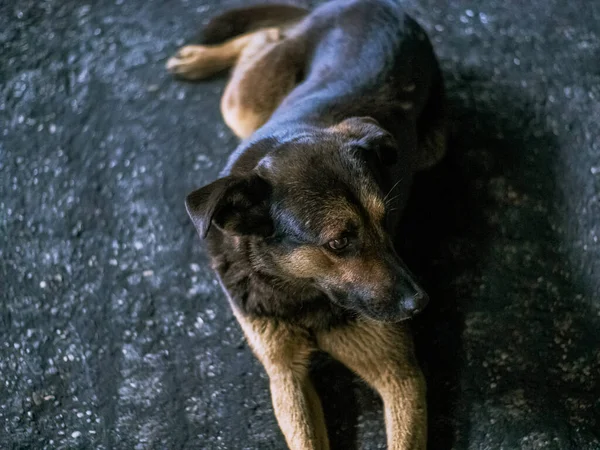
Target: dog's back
364, 56
346, 59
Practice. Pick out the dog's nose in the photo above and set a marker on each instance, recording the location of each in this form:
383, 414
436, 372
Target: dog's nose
415, 303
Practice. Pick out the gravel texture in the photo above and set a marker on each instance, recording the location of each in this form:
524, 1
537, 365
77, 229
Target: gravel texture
115, 335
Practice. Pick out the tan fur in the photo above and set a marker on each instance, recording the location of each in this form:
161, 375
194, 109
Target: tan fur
338, 216
284, 350
265, 71
383, 356
307, 261
195, 62
375, 207
263, 76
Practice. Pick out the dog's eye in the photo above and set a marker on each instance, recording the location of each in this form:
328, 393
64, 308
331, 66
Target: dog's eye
338, 244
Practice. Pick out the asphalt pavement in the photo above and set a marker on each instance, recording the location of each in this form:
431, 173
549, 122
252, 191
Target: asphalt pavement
114, 333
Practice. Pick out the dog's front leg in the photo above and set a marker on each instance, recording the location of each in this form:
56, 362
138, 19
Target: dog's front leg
382, 354
285, 353
405, 410
298, 409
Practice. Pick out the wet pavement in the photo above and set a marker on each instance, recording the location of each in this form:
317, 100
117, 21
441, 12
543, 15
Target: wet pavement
115, 335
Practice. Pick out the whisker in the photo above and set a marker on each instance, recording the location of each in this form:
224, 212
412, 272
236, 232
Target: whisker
393, 187
389, 201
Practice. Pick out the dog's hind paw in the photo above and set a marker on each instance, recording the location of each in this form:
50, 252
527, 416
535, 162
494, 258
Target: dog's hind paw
194, 62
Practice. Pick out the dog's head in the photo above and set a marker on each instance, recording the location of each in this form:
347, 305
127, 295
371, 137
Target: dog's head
315, 210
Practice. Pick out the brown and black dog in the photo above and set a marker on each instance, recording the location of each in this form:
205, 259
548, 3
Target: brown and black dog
338, 108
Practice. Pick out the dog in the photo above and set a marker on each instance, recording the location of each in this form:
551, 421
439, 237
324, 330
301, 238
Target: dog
337, 109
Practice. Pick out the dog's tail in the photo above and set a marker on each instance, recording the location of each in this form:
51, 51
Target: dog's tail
238, 21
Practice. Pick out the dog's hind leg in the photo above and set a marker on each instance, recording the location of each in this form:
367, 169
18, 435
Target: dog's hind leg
382, 354
227, 35
285, 352
195, 62
268, 69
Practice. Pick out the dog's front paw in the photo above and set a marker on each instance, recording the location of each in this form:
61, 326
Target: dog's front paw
194, 62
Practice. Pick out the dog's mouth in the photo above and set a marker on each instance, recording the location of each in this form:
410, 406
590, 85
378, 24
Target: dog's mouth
390, 317
394, 312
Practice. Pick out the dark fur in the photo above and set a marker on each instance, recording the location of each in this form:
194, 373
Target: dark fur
277, 178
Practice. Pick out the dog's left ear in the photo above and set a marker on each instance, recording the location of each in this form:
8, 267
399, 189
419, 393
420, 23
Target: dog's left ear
367, 134
239, 205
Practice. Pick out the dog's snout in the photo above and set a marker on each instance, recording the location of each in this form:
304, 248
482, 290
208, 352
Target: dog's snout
411, 298
414, 303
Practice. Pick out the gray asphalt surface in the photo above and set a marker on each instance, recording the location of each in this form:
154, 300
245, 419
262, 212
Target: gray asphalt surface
114, 333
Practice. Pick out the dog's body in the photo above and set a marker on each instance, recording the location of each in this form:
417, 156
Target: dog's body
338, 109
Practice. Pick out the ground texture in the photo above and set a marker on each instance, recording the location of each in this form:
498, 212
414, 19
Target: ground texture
115, 335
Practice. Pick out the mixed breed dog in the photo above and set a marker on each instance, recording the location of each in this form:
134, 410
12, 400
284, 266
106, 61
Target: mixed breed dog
337, 109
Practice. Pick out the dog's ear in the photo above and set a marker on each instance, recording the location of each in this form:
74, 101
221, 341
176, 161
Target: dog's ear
239, 205
367, 134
